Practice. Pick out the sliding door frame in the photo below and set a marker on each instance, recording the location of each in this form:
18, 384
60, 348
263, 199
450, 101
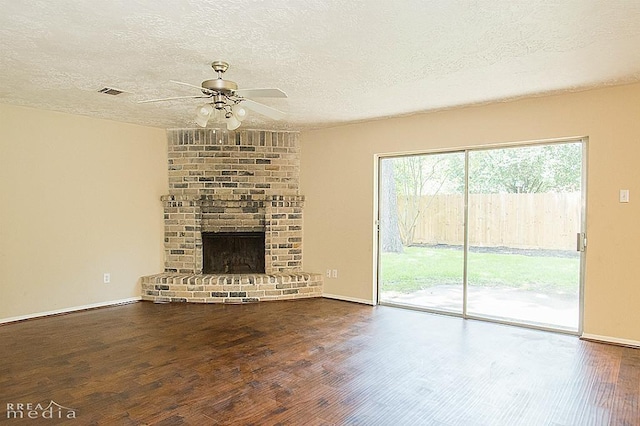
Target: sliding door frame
584, 141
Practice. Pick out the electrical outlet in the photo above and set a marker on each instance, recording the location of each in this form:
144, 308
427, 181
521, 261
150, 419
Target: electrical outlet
106, 278
334, 273
328, 273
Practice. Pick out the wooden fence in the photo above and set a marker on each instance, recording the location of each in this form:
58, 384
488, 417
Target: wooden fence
526, 221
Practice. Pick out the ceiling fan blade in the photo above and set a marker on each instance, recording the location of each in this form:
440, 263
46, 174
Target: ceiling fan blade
189, 85
263, 109
261, 93
174, 98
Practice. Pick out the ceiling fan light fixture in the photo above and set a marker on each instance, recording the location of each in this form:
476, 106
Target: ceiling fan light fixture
232, 123
239, 112
202, 122
215, 116
203, 113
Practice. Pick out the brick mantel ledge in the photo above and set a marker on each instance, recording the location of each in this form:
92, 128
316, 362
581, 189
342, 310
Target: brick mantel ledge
231, 197
230, 288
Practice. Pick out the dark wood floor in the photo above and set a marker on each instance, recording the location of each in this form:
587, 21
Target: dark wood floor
310, 362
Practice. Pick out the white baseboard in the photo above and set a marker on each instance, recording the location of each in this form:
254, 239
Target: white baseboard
612, 340
71, 309
348, 299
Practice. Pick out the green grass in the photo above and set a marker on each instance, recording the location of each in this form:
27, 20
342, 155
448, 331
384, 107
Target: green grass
423, 267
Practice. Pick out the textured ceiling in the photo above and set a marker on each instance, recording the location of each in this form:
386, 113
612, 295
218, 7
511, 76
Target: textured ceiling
338, 60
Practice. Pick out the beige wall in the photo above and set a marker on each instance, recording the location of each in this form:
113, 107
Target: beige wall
337, 178
80, 197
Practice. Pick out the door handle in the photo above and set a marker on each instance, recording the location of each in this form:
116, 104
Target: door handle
581, 241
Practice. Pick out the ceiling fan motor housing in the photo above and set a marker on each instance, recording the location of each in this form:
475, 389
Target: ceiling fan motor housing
220, 85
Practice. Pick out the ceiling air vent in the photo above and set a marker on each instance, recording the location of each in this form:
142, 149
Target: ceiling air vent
110, 91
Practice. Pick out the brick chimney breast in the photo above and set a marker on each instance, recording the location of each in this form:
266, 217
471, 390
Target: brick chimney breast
226, 182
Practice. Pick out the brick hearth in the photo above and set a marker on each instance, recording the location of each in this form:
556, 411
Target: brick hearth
234, 288
244, 181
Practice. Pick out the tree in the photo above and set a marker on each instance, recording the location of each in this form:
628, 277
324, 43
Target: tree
543, 168
417, 176
389, 227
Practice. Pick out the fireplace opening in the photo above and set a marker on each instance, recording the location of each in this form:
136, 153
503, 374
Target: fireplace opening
233, 252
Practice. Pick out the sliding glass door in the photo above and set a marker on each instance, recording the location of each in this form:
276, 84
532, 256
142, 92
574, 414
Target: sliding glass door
524, 216
488, 233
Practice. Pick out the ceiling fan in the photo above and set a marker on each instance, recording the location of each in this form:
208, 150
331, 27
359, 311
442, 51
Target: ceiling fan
226, 102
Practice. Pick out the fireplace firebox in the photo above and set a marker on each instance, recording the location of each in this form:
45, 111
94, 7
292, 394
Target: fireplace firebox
233, 252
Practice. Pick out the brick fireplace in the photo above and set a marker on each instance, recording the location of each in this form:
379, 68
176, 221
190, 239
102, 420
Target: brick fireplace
225, 185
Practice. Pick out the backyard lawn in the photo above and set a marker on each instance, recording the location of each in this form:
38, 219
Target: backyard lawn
419, 268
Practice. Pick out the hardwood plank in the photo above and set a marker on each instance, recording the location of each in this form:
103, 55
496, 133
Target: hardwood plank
311, 362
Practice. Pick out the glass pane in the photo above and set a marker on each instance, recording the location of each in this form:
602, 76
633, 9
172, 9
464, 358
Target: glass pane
524, 214
422, 231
